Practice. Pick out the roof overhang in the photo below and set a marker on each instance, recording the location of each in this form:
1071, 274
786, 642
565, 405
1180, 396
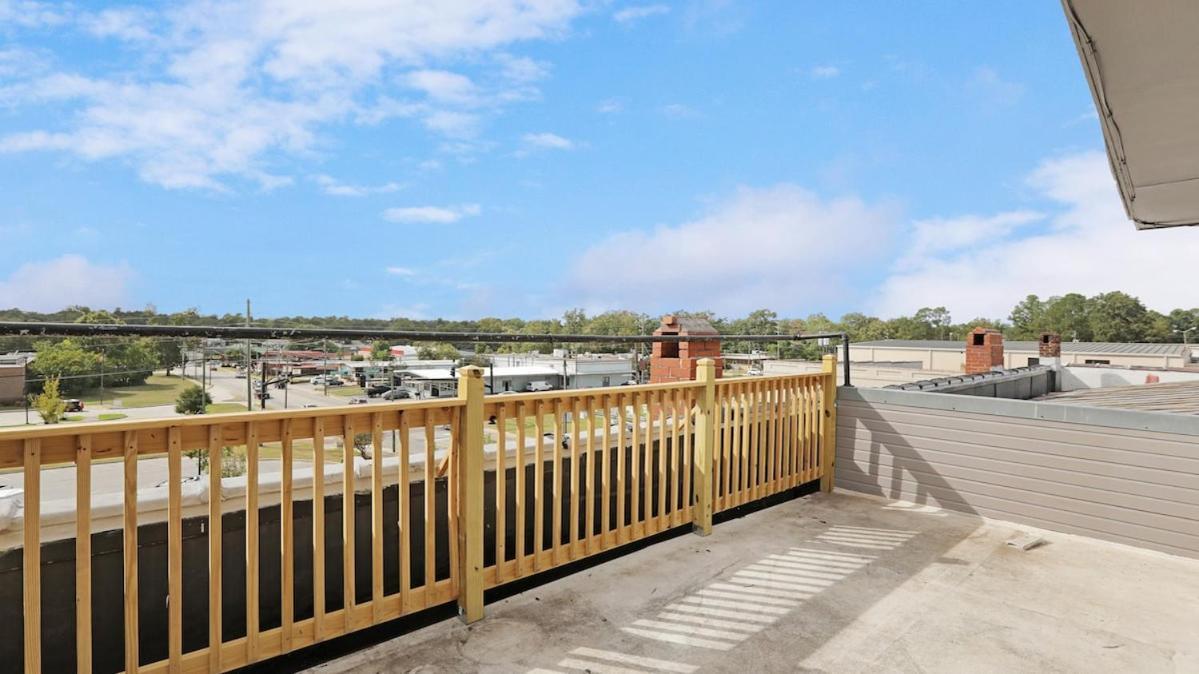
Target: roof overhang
1141, 59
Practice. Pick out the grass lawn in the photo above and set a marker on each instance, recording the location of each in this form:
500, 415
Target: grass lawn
345, 391
110, 416
220, 408
158, 390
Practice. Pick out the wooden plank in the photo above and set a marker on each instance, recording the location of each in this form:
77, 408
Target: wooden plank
469, 477
589, 474
647, 475
377, 516
453, 485
318, 529
661, 522
287, 546
430, 504
606, 473
405, 515
130, 552
83, 554
539, 488
501, 491
622, 530
746, 422
348, 485
174, 550
252, 614
520, 489
672, 475
576, 472
214, 548
32, 554
558, 496
828, 419
689, 451
636, 522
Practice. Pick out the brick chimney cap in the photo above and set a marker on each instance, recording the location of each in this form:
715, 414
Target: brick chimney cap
686, 326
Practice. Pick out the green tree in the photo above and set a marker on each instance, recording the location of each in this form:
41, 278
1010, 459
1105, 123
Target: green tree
49, 403
192, 400
1028, 318
937, 321
67, 362
1069, 316
1118, 317
437, 351
169, 354
380, 350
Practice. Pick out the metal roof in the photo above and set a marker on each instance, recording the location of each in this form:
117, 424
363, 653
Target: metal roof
513, 371
1177, 397
1143, 69
1128, 348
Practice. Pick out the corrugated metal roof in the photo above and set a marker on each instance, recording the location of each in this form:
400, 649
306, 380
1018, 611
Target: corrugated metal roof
1177, 397
514, 371
1130, 348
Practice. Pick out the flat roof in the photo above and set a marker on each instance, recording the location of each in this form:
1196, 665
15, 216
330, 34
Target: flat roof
1129, 348
835, 583
507, 371
1176, 397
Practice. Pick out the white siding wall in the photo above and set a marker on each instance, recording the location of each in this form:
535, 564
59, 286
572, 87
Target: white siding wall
1090, 471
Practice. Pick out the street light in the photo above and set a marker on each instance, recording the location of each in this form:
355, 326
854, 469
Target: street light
1184, 334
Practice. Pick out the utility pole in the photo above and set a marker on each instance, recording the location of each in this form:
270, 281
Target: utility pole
262, 387
249, 370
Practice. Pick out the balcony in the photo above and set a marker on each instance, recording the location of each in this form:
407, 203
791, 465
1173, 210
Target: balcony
453, 502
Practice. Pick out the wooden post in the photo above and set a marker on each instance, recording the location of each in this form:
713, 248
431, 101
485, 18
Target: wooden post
828, 424
705, 444
469, 473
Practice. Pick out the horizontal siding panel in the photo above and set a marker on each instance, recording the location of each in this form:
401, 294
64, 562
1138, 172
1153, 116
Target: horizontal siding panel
1117, 484
1068, 445
1012, 512
968, 487
1042, 483
1145, 442
1031, 456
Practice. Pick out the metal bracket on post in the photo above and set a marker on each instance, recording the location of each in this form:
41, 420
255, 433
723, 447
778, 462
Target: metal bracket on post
705, 447
828, 424
469, 473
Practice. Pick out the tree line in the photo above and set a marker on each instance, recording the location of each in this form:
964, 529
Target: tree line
1113, 316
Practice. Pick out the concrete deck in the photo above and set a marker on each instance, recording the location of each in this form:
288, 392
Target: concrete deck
839, 583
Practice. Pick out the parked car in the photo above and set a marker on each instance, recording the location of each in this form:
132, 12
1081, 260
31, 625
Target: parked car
397, 394
538, 386
74, 405
376, 390
241, 374
310, 405
359, 400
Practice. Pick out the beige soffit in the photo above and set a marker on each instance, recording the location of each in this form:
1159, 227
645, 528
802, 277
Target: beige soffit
1141, 58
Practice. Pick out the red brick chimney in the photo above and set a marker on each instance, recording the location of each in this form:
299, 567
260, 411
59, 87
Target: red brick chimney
675, 361
984, 350
1050, 345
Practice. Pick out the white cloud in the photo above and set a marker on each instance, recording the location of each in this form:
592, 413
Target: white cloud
825, 72
678, 111
943, 235
431, 214
243, 84
134, 24
31, 14
51, 285
444, 86
610, 106
986, 83
781, 247
401, 271
1088, 246
331, 186
638, 12
549, 141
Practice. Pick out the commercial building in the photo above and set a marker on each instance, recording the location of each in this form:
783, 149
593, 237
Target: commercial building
950, 355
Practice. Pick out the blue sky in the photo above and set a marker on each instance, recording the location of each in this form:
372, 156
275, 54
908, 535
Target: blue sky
465, 159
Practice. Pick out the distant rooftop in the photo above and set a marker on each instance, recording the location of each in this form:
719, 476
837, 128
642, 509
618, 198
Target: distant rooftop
1142, 348
1176, 397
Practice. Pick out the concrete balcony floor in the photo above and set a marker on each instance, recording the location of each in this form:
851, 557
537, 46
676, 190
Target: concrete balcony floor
837, 583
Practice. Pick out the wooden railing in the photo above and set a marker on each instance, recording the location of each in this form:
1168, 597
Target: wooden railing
574, 473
